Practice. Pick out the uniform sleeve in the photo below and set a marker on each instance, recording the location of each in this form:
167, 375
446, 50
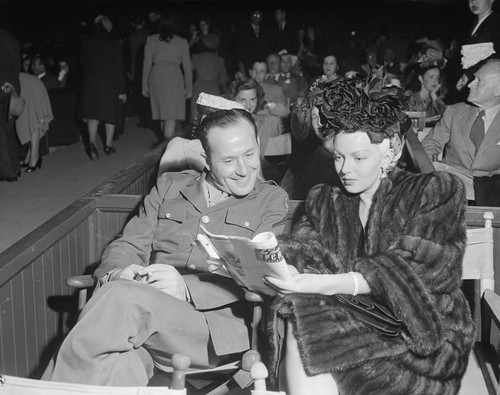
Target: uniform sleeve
274, 201
439, 136
135, 244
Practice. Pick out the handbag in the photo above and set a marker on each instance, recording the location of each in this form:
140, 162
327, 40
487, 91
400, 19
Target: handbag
16, 104
372, 314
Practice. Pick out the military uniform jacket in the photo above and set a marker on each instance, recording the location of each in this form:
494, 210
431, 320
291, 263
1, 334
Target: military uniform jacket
165, 229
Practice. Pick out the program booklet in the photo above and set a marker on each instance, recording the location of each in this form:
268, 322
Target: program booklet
248, 260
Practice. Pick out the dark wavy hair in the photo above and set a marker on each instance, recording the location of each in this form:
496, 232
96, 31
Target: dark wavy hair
350, 104
167, 28
245, 85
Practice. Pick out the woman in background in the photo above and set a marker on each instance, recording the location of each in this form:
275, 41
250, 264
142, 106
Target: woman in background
34, 121
210, 75
162, 79
103, 83
427, 99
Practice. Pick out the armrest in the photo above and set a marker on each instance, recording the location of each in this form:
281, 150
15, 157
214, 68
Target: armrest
85, 281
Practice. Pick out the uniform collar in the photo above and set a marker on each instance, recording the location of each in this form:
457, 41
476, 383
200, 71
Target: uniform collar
195, 194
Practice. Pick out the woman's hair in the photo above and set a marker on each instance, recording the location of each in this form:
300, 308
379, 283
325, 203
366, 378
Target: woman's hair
222, 119
167, 27
238, 86
351, 104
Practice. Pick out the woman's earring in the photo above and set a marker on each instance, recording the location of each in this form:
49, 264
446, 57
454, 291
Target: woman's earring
383, 173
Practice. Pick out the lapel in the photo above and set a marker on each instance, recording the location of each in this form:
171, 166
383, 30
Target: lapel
468, 117
194, 193
491, 138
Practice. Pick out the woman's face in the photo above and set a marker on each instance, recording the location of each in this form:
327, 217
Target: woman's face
430, 79
204, 27
248, 99
311, 33
330, 65
358, 162
26, 65
480, 7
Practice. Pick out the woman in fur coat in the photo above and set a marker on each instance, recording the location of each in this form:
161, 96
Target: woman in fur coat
395, 236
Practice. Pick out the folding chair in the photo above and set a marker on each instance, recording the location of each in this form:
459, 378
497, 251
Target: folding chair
216, 381
259, 375
482, 373
11, 385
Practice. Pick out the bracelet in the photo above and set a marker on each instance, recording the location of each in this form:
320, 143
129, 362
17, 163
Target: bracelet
356, 283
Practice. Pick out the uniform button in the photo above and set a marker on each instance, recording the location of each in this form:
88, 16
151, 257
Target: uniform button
205, 219
168, 215
191, 267
247, 223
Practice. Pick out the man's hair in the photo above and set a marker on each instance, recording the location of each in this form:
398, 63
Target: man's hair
494, 63
222, 119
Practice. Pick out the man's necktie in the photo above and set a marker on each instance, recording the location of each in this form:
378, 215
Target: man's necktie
477, 130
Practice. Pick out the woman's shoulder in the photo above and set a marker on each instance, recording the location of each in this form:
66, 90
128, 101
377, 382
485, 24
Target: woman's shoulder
429, 188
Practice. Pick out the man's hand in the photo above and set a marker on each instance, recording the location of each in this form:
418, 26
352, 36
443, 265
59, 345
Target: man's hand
129, 272
217, 266
165, 278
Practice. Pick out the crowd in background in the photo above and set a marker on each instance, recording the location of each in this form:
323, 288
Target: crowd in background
154, 63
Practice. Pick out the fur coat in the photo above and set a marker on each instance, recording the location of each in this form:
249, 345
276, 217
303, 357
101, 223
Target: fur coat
412, 259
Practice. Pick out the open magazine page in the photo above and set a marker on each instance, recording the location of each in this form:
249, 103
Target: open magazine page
248, 261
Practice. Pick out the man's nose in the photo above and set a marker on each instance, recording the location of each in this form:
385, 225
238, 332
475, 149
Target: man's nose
241, 167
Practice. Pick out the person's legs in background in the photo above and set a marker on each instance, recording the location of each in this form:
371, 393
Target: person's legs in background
168, 126
92, 126
110, 130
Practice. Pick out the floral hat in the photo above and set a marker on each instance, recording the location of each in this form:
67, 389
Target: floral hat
353, 103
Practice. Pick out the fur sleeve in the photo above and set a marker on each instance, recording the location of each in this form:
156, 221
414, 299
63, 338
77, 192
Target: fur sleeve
424, 262
304, 248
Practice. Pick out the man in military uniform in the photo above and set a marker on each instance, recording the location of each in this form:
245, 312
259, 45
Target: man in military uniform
156, 295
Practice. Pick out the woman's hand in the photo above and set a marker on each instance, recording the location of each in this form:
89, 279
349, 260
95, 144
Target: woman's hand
122, 97
145, 92
303, 283
434, 92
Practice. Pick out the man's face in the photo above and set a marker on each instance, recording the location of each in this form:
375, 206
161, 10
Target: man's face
256, 17
37, 67
480, 7
247, 99
286, 64
273, 64
485, 88
258, 72
233, 161
280, 16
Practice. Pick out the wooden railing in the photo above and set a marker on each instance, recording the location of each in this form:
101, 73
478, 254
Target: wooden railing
35, 304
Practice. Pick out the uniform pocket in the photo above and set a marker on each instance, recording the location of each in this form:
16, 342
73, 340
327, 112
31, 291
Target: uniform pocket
173, 231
